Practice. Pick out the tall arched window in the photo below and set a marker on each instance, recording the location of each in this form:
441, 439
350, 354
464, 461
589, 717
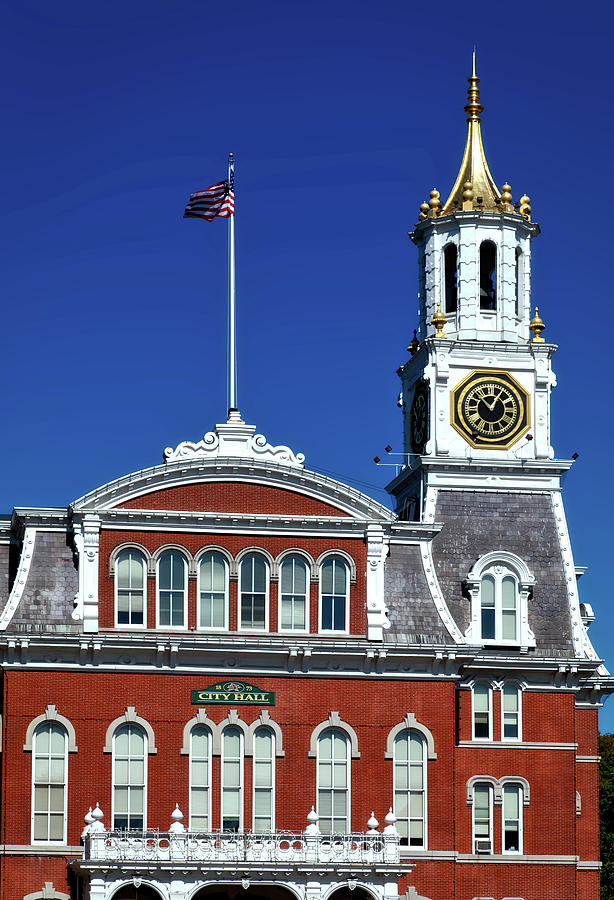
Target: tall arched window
450, 257
482, 711
488, 275
334, 781
213, 591
482, 818
254, 589
172, 590
264, 780
130, 584
511, 696
410, 788
129, 777
512, 818
200, 779
519, 281
499, 605
334, 594
49, 783
294, 582
232, 779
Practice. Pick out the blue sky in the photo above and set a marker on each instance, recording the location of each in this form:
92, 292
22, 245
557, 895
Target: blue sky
342, 116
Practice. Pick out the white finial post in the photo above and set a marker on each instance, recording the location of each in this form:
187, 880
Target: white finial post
176, 825
312, 818
372, 825
89, 821
390, 821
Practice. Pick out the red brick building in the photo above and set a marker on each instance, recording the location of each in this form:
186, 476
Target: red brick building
261, 682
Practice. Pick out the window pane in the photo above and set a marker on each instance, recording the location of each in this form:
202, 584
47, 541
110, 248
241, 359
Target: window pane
487, 593
164, 572
481, 696
401, 746
262, 803
263, 742
488, 624
327, 577
200, 741
508, 593
508, 624
511, 802
510, 698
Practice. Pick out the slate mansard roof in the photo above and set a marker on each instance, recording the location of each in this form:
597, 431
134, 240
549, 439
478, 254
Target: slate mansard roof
425, 566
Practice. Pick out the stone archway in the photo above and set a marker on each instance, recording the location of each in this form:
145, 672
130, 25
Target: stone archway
130, 892
238, 892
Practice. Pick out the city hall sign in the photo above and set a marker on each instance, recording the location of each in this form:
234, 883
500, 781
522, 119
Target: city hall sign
234, 692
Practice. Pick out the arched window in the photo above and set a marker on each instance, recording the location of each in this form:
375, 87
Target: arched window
232, 779
200, 778
172, 590
512, 818
499, 605
450, 257
254, 590
213, 591
511, 697
334, 594
482, 818
264, 780
49, 783
410, 788
482, 711
333, 781
129, 777
519, 281
488, 275
294, 589
130, 588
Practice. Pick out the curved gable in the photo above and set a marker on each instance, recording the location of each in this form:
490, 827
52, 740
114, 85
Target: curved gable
233, 497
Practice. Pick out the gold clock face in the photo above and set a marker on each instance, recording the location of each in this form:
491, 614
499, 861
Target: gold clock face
490, 409
418, 419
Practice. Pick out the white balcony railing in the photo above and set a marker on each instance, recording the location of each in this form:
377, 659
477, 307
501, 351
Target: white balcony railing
231, 848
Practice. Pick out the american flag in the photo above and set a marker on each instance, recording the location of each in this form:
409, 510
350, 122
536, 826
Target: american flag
217, 200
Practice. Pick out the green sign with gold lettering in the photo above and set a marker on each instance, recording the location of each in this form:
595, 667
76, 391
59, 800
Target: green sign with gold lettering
234, 692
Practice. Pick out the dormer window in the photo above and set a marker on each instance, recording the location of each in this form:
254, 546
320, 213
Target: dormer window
450, 257
499, 585
488, 276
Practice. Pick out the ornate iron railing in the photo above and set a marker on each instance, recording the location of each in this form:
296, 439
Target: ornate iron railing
230, 847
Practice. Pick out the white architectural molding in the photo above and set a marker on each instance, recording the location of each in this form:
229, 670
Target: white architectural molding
234, 439
333, 721
86, 539
48, 893
265, 720
518, 779
51, 715
410, 723
199, 719
581, 642
23, 570
130, 716
232, 719
344, 555
377, 611
131, 545
441, 606
296, 551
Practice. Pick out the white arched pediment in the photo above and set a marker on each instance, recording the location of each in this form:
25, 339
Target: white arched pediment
48, 893
51, 715
264, 720
199, 719
130, 716
410, 723
333, 721
505, 558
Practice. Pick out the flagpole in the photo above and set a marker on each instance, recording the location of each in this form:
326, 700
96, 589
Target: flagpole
231, 300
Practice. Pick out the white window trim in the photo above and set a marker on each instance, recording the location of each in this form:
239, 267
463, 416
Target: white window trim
145, 771
348, 573
273, 775
525, 581
63, 840
202, 556
129, 626
186, 570
475, 684
518, 786
425, 759
491, 807
509, 682
308, 570
348, 744
130, 715
267, 593
241, 776
209, 774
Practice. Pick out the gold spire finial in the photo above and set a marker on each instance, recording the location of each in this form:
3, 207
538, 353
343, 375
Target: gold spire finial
439, 320
473, 167
414, 344
537, 326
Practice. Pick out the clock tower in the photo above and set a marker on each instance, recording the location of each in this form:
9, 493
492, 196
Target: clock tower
476, 390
